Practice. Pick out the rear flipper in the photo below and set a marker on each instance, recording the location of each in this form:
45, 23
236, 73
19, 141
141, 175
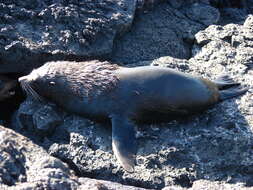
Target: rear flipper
232, 92
123, 141
224, 82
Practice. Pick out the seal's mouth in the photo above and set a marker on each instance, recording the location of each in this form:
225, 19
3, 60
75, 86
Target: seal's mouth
28, 89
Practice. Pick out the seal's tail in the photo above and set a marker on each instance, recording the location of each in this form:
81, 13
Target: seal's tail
232, 92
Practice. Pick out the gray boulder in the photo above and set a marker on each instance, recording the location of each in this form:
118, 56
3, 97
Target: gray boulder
164, 31
35, 31
29, 167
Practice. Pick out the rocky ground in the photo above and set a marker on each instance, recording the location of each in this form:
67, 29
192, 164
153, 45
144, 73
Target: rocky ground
58, 150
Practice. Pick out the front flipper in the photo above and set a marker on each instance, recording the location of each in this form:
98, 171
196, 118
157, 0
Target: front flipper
123, 141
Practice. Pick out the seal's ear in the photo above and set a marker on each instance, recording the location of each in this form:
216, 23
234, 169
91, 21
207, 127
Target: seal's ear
123, 141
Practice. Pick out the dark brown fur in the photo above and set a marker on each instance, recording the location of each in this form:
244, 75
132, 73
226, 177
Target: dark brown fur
86, 80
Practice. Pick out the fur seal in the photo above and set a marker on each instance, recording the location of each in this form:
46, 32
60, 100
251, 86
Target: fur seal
96, 89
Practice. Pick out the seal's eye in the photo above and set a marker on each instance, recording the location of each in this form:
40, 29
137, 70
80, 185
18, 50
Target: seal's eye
52, 83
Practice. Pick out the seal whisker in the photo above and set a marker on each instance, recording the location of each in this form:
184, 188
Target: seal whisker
30, 91
34, 93
24, 88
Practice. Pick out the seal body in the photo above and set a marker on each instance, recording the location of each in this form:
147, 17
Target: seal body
101, 90
163, 92
83, 89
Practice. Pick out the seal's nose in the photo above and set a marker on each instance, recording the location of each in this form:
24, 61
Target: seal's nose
22, 79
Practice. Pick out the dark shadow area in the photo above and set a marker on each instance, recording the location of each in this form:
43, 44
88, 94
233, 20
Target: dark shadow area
230, 3
10, 105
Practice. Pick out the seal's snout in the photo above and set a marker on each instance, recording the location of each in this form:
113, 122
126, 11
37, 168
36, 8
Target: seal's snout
22, 79
27, 85
33, 76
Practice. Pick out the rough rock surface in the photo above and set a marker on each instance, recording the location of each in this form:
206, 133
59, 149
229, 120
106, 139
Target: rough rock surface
205, 184
215, 145
212, 150
35, 31
30, 167
27, 165
171, 34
